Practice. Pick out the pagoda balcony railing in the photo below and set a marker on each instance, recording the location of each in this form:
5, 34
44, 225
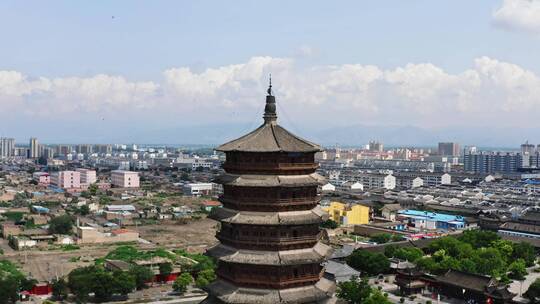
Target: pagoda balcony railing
269, 240
269, 167
272, 281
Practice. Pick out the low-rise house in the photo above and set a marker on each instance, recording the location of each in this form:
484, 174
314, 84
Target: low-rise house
42, 178
350, 186
348, 214
197, 189
91, 235
430, 220
328, 188
209, 205
339, 272
390, 211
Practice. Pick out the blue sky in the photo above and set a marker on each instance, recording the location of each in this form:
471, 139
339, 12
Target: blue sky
52, 54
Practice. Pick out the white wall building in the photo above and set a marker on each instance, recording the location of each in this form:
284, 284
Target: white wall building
66, 179
87, 176
125, 179
197, 189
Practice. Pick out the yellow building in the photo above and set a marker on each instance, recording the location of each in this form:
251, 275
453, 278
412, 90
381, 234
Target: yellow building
347, 214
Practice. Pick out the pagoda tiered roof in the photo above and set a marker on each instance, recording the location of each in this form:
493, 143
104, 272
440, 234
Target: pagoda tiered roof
262, 180
269, 137
313, 216
229, 293
315, 254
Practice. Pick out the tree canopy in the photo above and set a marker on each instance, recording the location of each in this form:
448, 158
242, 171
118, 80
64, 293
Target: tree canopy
182, 282
358, 291
103, 283
368, 262
62, 224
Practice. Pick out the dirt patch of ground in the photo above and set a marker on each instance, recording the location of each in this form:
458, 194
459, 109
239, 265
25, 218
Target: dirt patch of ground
195, 236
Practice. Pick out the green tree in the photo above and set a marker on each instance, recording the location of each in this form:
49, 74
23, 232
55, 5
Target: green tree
369, 263
377, 297
330, 224
381, 238
80, 282
411, 254
205, 277
354, 291
479, 238
533, 293
84, 210
390, 250
505, 247
92, 189
489, 261
142, 275
524, 251
60, 289
397, 238
9, 287
62, 224
86, 194
165, 269
12, 281
182, 282
124, 282
103, 284
104, 200
518, 270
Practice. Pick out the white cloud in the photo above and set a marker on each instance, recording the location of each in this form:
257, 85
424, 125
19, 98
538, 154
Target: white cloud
519, 15
425, 95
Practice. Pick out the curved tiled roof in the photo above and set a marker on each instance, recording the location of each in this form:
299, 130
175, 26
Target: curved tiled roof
225, 292
313, 216
316, 254
253, 180
270, 137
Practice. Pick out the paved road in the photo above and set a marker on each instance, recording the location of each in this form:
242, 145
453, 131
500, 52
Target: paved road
517, 286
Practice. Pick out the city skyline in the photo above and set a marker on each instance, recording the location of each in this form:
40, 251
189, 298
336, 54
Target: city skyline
201, 70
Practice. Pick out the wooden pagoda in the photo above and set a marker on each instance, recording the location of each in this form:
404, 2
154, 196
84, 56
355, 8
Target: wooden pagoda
270, 249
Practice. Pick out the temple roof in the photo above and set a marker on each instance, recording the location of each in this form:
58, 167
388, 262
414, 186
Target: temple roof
270, 137
315, 254
466, 280
253, 180
313, 216
226, 292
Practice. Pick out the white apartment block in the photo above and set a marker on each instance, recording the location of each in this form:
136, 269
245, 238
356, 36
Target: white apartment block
125, 179
376, 180
66, 179
88, 176
197, 189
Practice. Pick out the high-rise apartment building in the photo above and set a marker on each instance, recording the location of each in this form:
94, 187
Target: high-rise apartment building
102, 149
84, 149
527, 148
449, 149
7, 147
34, 148
376, 146
63, 150
492, 162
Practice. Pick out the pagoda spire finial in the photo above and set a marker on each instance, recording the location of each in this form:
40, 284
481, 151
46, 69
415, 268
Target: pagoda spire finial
270, 108
270, 86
